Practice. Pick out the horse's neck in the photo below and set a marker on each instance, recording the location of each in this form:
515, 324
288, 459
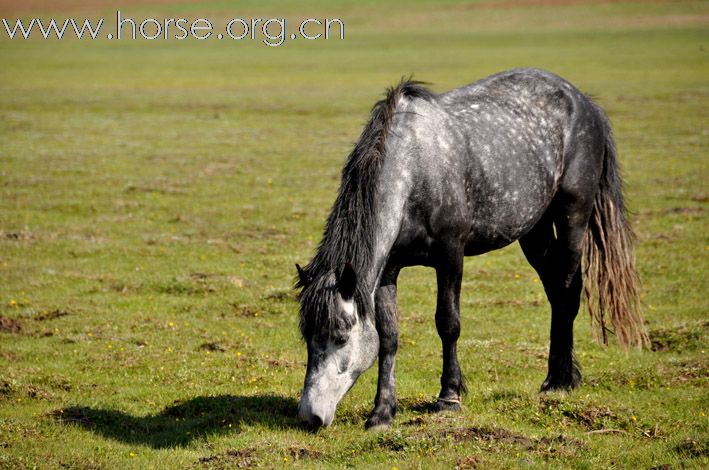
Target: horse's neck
392, 194
393, 186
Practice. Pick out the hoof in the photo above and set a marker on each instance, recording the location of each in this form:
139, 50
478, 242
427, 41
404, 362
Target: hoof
378, 427
378, 421
551, 385
450, 404
548, 387
564, 376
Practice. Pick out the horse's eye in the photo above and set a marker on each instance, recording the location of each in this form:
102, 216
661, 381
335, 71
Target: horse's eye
339, 340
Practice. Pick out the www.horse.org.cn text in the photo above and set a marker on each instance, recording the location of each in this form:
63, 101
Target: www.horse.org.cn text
269, 31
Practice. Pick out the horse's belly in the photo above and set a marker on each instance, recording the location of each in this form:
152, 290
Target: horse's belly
502, 218
483, 240
488, 238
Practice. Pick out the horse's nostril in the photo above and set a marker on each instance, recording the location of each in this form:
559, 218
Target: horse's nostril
316, 421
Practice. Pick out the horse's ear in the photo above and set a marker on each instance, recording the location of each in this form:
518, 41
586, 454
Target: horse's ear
347, 282
304, 277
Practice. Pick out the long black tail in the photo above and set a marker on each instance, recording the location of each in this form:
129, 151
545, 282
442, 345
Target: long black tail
611, 282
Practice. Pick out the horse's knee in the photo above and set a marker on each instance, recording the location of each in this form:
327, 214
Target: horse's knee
388, 344
387, 324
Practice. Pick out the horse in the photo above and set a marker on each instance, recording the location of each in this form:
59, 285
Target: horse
521, 155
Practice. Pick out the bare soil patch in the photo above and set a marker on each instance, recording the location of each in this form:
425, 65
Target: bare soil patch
490, 434
693, 448
299, 453
10, 325
244, 458
592, 417
471, 461
496, 435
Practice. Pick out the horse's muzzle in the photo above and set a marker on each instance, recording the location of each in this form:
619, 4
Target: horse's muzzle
314, 416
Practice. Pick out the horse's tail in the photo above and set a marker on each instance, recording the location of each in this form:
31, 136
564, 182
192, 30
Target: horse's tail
611, 282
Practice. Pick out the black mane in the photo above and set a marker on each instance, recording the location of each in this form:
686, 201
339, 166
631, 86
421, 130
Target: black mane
350, 228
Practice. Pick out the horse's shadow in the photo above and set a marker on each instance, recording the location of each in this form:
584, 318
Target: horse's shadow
185, 421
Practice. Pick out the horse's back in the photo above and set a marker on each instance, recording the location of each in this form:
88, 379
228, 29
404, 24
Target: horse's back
521, 127
483, 163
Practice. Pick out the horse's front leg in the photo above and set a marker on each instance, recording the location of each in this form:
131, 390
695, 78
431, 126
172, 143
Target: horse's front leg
449, 273
386, 312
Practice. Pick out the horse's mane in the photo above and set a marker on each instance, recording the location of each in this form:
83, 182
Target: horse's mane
350, 229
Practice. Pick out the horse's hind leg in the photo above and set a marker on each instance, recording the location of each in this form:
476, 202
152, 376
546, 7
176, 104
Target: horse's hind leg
557, 261
449, 274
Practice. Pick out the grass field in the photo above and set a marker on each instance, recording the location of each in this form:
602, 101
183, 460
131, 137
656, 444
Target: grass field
155, 195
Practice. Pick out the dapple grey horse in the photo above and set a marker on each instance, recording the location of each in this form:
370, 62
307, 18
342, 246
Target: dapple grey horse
519, 156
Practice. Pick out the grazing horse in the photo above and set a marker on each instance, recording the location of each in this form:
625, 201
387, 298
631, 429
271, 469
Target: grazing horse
520, 155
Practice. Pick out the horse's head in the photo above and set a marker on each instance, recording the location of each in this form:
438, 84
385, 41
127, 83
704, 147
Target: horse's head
341, 338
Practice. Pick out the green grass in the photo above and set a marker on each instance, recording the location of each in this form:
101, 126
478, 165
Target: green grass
154, 197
